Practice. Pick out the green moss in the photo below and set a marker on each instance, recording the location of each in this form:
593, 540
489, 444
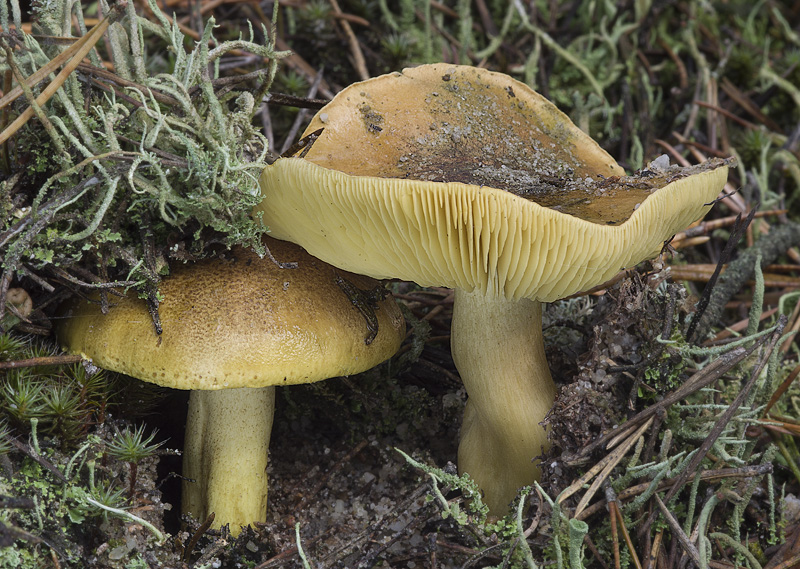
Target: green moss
59, 506
13, 557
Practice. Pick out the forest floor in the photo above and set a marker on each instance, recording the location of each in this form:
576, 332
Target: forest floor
693, 371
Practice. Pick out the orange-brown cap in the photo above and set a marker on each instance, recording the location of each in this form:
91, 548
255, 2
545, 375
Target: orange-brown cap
456, 176
240, 323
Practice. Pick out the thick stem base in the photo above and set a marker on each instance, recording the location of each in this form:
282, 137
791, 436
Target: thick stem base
498, 350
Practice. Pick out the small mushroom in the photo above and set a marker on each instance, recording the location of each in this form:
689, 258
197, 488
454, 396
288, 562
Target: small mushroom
20, 300
232, 331
456, 176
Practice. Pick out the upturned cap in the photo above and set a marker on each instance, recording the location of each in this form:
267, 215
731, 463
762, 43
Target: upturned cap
456, 176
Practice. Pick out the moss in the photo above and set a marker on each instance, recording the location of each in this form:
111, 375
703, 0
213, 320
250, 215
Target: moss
59, 510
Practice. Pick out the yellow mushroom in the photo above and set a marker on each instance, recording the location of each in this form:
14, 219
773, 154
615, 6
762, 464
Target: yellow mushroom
232, 331
20, 300
456, 176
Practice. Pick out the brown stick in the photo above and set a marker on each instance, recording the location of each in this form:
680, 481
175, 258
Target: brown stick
618, 513
43, 361
705, 476
688, 546
355, 48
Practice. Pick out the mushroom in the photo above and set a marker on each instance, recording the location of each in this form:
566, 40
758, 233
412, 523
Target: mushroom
232, 331
20, 301
457, 176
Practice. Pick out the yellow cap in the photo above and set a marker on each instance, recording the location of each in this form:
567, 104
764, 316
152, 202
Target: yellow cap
243, 322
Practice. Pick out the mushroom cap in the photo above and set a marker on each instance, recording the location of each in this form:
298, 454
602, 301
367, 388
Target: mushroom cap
238, 323
456, 176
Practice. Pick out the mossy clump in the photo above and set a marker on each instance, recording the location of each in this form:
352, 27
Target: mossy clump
123, 171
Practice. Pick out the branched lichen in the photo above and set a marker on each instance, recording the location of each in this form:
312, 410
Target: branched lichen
167, 151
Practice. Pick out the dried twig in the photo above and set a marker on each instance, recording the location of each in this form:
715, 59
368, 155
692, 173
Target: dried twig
603, 468
736, 233
685, 542
611, 498
43, 361
617, 513
82, 48
355, 48
705, 475
37, 458
298, 121
187, 551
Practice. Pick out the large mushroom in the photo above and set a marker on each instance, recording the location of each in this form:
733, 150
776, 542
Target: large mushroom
232, 331
456, 176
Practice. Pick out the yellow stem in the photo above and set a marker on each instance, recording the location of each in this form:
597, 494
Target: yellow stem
498, 350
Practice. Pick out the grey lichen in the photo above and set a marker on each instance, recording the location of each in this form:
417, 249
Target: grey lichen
120, 170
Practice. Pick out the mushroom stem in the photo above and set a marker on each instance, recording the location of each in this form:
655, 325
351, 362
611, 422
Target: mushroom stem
498, 350
225, 455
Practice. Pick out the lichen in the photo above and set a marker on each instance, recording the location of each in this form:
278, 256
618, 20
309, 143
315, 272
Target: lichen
149, 164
